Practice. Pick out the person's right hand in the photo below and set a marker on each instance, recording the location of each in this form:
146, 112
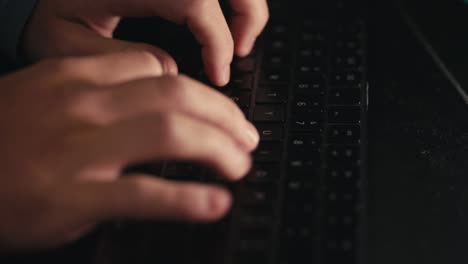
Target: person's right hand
70, 126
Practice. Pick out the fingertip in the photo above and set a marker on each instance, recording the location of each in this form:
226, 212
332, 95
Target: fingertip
242, 165
220, 76
220, 202
245, 46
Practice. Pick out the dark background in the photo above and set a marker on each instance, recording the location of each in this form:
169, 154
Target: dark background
418, 142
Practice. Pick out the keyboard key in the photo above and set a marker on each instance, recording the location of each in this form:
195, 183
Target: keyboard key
344, 134
346, 79
241, 82
257, 196
255, 218
270, 132
304, 70
346, 61
312, 122
278, 44
310, 54
301, 166
264, 172
308, 104
268, 152
311, 37
342, 177
272, 94
347, 96
276, 76
304, 143
269, 113
277, 29
242, 99
311, 84
243, 65
276, 60
344, 115
343, 155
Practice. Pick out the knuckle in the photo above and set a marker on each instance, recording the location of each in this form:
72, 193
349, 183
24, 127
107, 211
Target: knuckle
83, 102
147, 57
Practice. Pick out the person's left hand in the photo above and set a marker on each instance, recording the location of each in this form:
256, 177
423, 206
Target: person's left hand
85, 27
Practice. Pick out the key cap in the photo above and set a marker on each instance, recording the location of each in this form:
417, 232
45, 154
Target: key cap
303, 143
307, 104
347, 96
243, 65
276, 76
346, 79
269, 113
343, 155
313, 83
304, 70
268, 152
255, 218
342, 177
270, 132
310, 54
272, 94
241, 82
276, 60
344, 115
242, 99
344, 134
312, 122
264, 172
300, 166
257, 196
278, 44
346, 60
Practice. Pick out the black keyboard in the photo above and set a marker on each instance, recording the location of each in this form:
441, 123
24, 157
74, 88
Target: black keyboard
305, 88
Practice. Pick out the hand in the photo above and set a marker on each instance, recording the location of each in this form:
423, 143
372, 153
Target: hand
69, 128
77, 27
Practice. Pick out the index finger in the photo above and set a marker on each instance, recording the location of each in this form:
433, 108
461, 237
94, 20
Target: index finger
209, 26
249, 18
203, 17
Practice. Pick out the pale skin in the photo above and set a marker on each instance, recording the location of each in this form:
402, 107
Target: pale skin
73, 123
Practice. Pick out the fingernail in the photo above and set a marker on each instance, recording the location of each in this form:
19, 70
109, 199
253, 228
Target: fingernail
226, 74
252, 134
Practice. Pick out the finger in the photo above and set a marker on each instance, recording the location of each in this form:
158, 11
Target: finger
248, 20
203, 17
79, 41
144, 197
210, 28
179, 94
111, 68
168, 136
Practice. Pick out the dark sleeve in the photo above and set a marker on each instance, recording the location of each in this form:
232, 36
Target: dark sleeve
14, 15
